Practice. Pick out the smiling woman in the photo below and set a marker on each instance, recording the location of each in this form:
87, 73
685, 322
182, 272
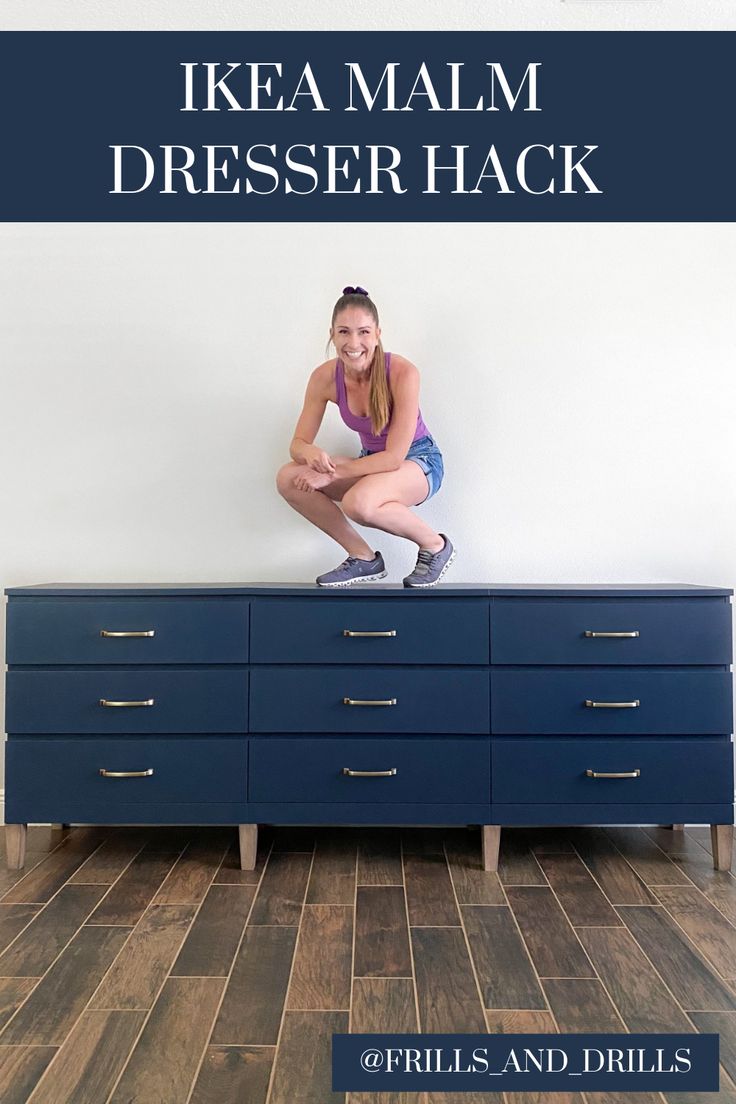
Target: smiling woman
399, 466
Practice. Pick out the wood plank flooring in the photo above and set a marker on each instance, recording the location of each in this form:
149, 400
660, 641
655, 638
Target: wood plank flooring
142, 966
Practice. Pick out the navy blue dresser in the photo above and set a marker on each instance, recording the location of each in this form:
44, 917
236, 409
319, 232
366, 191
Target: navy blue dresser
490, 705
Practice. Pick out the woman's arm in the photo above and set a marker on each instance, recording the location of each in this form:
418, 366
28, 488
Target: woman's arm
405, 394
302, 448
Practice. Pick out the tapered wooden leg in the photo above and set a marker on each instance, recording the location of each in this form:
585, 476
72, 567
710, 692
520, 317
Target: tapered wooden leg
491, 834
674, 827
15, 845
721, 837
248, 834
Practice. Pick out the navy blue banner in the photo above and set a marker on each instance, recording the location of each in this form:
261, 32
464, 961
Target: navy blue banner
525, 1063
364, 126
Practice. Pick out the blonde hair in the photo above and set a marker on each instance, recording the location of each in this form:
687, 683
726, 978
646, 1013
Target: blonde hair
379, 398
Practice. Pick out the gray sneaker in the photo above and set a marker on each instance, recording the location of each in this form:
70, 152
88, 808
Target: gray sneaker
353, 570
431, 566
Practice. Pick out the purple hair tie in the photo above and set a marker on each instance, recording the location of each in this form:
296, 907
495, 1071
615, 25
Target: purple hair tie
354, 291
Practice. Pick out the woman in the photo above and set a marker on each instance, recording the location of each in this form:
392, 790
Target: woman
399, 465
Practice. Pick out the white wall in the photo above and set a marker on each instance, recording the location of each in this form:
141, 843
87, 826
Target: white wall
339, 15
579, 378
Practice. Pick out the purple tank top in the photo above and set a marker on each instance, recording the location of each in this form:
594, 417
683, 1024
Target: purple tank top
363, 425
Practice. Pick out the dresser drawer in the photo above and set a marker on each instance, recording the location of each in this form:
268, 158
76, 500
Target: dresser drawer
302, 769
191, 700
317, 699
555, 770
41, 773
345, 630
669, 630
181, 630
671, 702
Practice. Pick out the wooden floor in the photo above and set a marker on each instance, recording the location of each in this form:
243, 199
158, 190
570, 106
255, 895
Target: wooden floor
141, 966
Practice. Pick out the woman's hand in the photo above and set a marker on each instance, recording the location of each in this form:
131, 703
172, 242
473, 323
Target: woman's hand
319, 460
309, 480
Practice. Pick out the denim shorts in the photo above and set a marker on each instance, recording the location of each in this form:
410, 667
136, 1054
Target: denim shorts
427, 455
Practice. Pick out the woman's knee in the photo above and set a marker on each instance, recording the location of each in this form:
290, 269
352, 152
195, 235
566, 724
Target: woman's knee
359, 505
285, 480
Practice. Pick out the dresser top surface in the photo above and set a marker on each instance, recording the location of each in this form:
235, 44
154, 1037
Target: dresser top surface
311, 590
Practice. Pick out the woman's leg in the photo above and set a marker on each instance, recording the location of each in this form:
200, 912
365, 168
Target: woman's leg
320, 507
382, 502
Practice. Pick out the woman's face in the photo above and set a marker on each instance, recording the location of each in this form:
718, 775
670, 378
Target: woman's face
355, 336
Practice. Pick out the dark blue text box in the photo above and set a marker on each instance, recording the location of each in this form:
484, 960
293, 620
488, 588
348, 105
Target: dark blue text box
525, 1063
306, 126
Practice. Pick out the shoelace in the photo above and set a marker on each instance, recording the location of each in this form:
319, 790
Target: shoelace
347, 564
424, 561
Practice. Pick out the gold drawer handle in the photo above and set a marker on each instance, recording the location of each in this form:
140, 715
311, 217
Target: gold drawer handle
369, 774
132, 632
123, 704
368, 701
126, 774
613, 705
613, 774
613, 636
356, 632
